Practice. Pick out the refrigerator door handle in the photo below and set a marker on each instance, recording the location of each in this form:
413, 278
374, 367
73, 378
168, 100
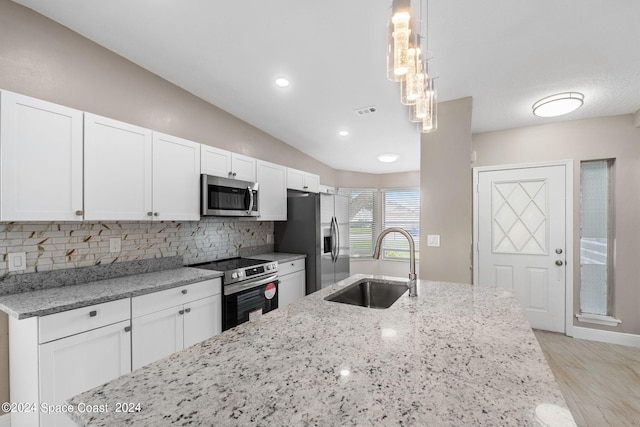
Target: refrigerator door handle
337, 239
333, 239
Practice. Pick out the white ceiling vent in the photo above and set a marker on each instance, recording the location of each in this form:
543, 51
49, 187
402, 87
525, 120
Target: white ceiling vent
366, 110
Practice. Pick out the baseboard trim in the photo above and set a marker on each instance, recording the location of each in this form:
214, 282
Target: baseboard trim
5, 420
609, 337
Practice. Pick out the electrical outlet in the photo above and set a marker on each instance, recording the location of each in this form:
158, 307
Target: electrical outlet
269, 238
17, 261
114, 245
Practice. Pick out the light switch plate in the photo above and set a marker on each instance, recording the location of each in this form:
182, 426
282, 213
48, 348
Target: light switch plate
433, 240
17, 261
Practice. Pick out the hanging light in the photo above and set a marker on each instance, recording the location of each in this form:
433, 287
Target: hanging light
407, 64
398, 33
430, 122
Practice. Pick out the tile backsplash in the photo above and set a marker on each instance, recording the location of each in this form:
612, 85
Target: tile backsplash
59, 245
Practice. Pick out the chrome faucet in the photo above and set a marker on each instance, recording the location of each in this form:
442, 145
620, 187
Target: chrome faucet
413, 288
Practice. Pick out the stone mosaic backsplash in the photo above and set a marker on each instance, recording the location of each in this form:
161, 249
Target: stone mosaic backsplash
60, 245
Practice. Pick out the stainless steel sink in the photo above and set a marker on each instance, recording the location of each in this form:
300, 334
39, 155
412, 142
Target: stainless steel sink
370, 293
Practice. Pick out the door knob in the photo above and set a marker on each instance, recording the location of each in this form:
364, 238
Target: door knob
558, 251
559, 263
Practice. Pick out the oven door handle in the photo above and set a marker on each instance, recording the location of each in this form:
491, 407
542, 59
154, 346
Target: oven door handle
239, 287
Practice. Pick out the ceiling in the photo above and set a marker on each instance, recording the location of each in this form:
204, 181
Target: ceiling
506, 54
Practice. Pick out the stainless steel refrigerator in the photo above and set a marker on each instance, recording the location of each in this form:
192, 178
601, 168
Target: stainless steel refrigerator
317, 225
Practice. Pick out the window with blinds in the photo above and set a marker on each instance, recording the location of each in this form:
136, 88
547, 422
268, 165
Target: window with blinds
400, 208
596, 235
373, 210
362, 221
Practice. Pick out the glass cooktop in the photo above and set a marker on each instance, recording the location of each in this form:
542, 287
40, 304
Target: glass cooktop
230, 264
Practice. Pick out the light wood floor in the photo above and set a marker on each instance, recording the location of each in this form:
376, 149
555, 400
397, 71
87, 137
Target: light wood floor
600, 382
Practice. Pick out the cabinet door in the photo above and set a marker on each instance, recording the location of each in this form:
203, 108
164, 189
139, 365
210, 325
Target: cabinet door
202, 319
117, 170
75, 364
215, 161
41, 160
243, 167
291, 288
311, 182
272, 179
156, 335
176, 178
295, 179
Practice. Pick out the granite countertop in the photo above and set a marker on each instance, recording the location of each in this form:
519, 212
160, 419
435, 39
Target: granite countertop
56, 299
456, 355
278, 256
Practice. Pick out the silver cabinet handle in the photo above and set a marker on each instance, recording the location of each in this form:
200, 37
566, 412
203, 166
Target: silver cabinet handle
156, 214
187, 310
559, 263
234, 174
149, 213
184, 291
79, 212
127, 328
93, 313
181, 312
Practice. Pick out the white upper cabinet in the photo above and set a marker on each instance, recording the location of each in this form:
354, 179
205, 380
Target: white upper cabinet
272, 191
41, 160
132, 173
223, 163
303, 181
117, 170
176, 178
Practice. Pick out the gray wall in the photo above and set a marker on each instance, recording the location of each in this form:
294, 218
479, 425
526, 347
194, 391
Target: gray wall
591, 139
445, 203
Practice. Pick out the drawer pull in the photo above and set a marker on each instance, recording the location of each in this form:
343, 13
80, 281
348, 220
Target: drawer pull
79, 213
127, 328
93, 313
184, 292
181, 312
187, 310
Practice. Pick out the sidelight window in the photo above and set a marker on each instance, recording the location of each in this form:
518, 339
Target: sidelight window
596, 240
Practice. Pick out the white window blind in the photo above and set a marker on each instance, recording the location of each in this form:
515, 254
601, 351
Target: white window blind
595, 235
362, 221
400, 208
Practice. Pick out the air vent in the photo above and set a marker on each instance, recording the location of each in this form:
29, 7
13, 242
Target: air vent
366, 110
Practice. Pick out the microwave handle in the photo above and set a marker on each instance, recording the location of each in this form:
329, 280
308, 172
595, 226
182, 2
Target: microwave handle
250, 200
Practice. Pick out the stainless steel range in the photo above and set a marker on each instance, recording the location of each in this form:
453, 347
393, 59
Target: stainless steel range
250, 288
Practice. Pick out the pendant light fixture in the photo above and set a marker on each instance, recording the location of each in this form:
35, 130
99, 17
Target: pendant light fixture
407, 64
398, 33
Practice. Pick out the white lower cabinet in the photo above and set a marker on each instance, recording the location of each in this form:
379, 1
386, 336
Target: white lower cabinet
168, 321
92, 346
292, 282
53, 358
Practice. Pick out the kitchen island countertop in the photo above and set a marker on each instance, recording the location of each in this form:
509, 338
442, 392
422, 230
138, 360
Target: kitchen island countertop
455, 355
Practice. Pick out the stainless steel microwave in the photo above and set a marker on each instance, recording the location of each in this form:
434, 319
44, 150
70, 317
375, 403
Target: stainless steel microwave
229, 197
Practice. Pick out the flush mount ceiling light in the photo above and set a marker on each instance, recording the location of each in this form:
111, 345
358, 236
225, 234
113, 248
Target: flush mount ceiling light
558, 104
388, 158
343, 133
282, 82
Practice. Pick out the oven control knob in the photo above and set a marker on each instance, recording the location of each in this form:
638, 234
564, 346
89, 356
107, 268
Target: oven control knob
268, 266
234, 275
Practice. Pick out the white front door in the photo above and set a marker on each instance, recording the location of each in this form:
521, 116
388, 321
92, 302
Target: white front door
521, 239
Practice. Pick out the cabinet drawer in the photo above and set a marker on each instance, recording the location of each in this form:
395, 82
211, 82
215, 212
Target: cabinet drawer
290, 266
71, 322
156, 301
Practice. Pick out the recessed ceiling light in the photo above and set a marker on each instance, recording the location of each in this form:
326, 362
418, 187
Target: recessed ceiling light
558, 104
282, 82
388, 158
343, 133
